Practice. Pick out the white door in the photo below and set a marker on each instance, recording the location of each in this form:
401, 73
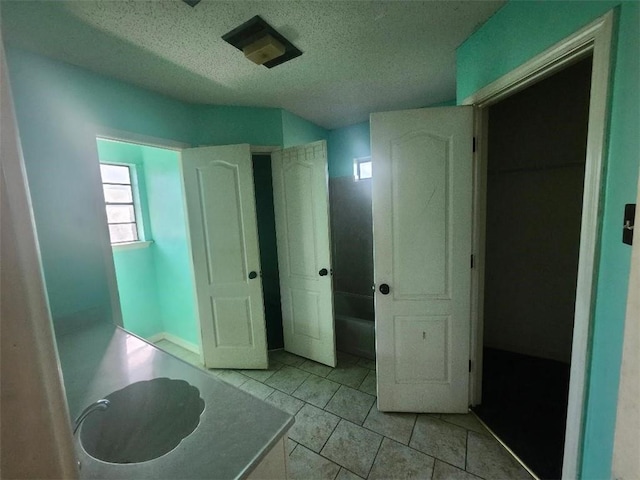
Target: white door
220, 200
422, 186
301, 206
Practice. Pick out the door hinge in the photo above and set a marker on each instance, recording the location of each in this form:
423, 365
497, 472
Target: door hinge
469, 366
473, 261
474, 144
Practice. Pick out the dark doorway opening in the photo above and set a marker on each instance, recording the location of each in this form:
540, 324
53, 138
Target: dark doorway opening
535, 183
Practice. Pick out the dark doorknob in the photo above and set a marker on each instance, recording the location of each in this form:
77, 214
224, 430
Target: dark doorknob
384, 289
323, 272
253, 275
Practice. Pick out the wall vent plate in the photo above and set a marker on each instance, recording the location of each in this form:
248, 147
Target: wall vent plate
256, 28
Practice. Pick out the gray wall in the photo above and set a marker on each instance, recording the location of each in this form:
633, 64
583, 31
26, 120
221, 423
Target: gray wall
351, 235
537, 147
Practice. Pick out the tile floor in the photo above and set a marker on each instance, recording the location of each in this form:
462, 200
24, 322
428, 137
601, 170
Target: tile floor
339, 433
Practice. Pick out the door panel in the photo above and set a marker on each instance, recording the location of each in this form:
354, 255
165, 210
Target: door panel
224, 245
302, 228
422, 185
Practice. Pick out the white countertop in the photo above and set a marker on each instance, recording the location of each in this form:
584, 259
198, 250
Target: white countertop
236, 430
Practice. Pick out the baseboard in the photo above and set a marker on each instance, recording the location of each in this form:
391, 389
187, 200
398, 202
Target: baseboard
174, 339
155, 337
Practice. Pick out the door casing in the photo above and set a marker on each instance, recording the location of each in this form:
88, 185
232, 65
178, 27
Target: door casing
594, 39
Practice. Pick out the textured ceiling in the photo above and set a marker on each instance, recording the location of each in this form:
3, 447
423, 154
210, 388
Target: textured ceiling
359, 56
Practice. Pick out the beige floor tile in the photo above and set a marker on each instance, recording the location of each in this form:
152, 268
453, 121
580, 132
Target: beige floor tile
287, 379
347, 475
352, 447
398, 461
488, 459
444, 471
397, 426
307, 465
316, 390
440, 439
313, 427
230, 376
315, 368
285, 402
263, 375
286, 358
351, 404
345, 358
369, 384
367, 363
291, 445
257, 389
349, 375
467, 420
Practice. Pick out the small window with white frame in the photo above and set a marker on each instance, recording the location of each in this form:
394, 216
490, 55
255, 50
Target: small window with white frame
119, 197
362, 168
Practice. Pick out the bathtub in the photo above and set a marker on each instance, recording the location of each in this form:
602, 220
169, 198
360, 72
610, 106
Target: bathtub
354, 323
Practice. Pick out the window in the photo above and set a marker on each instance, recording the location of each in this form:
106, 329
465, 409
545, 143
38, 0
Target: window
118, 197
362, 168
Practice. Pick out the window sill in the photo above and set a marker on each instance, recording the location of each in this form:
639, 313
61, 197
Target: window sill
118, 247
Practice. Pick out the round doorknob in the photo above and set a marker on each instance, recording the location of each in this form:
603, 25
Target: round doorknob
384, 289
323, 272
253, 275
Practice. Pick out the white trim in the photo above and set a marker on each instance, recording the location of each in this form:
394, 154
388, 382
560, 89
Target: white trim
563, 53
594, 38
114, 135
192, 347
258, 149
155, 338
479, 216
118, 247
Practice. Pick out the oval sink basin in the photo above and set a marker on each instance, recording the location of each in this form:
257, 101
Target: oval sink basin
145, 420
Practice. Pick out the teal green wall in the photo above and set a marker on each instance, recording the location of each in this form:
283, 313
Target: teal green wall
59, 109
227, 125
155, 284
135, 269
519, 31
136, 276
298, 131
170, 246
344, 145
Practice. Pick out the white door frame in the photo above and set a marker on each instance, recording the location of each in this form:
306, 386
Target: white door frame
106, 133
594, 39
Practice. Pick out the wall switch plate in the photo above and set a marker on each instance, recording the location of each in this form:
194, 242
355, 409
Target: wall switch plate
628, 225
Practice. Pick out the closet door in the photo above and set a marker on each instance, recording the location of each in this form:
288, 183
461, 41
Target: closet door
422, 193
301, 205
220, 201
